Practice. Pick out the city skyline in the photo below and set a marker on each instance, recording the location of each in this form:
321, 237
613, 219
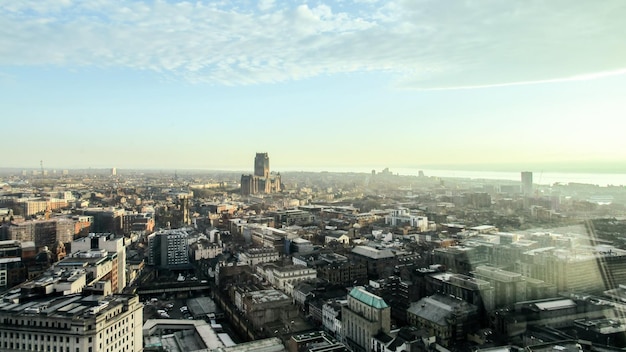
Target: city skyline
346, 84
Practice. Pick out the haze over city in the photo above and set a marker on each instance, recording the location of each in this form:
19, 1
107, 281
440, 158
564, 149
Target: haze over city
485, 85
313, 176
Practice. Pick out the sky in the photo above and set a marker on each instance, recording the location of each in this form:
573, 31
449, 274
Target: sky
345, 84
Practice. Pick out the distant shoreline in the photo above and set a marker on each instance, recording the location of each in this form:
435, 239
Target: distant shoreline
599, 178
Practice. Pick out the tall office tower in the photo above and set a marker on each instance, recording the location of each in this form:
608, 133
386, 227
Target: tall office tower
113, 172
262, 165
527, 183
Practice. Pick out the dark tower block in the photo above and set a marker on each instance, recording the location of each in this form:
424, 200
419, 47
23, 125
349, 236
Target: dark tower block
262, 165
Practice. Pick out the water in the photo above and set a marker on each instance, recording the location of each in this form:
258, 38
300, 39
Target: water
542, 178
539, 177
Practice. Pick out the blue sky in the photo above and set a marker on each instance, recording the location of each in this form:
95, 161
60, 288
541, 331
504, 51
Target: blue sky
317, 84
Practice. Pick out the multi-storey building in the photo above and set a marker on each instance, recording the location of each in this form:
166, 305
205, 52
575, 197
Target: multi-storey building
37, 206
510, 287
265, 236
402, 216
470, 289
168, 249
255, 256
379, 262
203, 249
105, 219
462, 259
72, 323
12, 268
527, 183
137, 222
363, 317
448, 318
331, 317
397, 293
114, 250
285, 277
82, 225
347, 273
44, 233
581, 269
292, 217
262, 307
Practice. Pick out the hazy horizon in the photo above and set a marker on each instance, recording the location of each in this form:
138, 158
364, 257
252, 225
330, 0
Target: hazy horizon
600, 168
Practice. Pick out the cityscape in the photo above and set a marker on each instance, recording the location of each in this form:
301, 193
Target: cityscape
133, 260
312, 176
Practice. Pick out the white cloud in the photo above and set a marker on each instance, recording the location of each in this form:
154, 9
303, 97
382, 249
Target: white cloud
424, 44
265, 5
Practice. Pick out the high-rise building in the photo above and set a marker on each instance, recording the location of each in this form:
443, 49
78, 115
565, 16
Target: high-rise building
261, 181
113, 171
169, 249
261, 165
527, 183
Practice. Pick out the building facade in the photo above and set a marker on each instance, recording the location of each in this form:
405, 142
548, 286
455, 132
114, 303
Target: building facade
169, 249
73, 324
527, 183
115, 251
363, 317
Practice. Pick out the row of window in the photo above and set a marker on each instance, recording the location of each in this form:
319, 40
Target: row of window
46, 348
27, 322
36, 337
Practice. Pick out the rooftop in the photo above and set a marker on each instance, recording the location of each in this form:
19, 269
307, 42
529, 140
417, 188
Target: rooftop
69, 307
438, 307
554, 305
360, 294
373, 253
186, 335
264, 296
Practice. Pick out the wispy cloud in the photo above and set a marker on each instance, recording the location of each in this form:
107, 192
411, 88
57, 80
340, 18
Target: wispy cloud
422, 43
583, 77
